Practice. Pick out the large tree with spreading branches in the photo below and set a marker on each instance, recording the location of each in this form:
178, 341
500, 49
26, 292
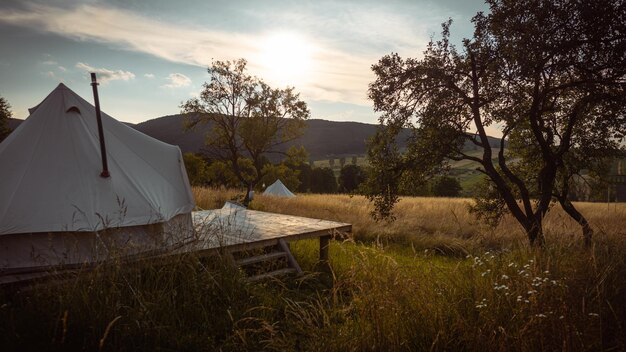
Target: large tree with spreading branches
548, 74
248, 119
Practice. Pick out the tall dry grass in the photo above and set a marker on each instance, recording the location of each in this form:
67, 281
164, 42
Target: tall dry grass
429, 221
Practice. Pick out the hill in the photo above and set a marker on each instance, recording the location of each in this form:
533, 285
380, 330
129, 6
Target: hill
322, 139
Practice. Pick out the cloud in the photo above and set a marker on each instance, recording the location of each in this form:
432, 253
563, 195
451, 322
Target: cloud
62, 69
49, 74
127, 30
177, 80
49, 62
149, 75
345, 46
105, 75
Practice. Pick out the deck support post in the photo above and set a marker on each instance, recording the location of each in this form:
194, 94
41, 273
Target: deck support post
324, 244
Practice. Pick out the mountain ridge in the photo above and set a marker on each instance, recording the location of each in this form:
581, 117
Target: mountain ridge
322, 139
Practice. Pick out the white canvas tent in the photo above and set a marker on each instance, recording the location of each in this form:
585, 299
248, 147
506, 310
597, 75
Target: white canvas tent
278, 189
56, 209
233, 205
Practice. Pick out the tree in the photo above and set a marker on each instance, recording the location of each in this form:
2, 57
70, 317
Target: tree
304, 176
287, 175
196, 168
248, 118
219, 173
5, 114
288, 171
351, 177
323, 180
446, 186
547, 73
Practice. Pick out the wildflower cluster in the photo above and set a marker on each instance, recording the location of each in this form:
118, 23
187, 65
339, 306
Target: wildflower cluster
523, 286
481, 304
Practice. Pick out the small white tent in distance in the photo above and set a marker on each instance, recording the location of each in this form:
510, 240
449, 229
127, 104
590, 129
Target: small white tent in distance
278, 189
56, 209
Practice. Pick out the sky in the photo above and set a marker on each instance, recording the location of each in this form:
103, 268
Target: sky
150, 56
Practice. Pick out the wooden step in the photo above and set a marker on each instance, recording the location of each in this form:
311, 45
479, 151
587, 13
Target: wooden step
274, 273
290, 258
260, 258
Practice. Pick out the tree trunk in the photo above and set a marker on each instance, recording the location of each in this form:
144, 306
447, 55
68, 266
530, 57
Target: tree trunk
247, 199
580, 219
535, 235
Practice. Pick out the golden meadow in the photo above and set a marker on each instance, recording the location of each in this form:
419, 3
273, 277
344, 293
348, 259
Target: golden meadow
435, 279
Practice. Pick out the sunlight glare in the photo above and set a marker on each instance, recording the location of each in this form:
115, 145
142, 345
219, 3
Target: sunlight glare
286, 59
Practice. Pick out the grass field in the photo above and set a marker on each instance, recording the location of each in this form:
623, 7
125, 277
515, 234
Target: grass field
435, 279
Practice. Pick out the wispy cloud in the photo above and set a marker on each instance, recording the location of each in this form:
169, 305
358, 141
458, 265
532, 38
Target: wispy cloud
149, 75
177, 80
49, 62
341, 62
106, 75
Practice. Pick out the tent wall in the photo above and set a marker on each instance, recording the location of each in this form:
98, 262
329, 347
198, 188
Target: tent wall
32, 252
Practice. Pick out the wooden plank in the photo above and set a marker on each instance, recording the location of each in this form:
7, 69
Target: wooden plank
274, 273
260, 258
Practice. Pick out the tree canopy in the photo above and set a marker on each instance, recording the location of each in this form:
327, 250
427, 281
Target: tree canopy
196, 168
5, 114
547, 74
248, 118
350, 177
323, 180
446, 186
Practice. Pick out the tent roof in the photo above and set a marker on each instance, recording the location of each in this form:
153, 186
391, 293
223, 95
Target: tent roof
50, 170
278, 189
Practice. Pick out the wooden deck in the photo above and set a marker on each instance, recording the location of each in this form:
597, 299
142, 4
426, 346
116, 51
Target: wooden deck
241, 229
229, 230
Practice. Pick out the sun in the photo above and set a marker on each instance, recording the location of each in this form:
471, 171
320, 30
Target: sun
286, 59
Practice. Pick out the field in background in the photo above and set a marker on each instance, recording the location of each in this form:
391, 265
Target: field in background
463, 170
435, 279
429, 220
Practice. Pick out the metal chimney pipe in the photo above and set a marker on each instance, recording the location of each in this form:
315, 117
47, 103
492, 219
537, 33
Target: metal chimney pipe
103, 149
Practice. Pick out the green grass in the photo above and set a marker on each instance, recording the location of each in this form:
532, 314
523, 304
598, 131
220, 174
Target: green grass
426, 282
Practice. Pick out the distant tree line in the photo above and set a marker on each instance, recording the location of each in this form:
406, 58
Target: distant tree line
299, 176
